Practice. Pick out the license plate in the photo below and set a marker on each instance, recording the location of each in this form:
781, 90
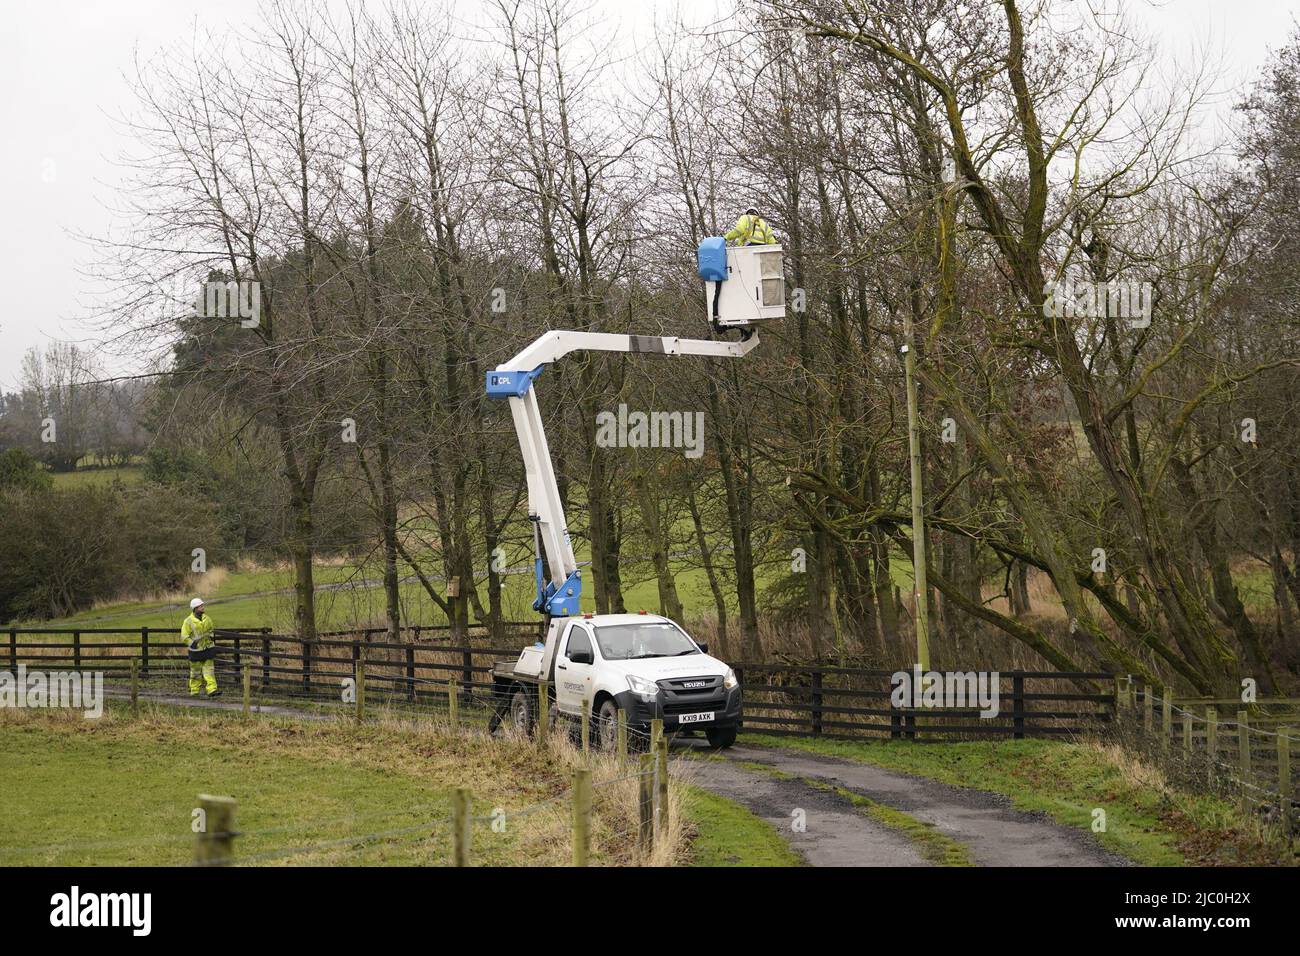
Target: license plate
695, 718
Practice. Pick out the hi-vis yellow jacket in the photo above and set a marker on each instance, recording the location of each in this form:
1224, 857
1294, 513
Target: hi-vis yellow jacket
200, 629
751, 229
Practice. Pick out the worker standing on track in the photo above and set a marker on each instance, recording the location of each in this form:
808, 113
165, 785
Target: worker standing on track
196, 632
751, 229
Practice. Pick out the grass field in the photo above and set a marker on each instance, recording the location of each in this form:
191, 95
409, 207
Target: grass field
351, 595
118, 791
1147, 821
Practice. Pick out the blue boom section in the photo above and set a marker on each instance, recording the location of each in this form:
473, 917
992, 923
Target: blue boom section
564, 600
558, 603
712, 258
511, 384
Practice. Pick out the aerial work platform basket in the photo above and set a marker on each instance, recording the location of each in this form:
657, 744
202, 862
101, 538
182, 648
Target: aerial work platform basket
743, 285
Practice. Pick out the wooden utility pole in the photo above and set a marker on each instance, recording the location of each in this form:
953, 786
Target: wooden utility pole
920, 588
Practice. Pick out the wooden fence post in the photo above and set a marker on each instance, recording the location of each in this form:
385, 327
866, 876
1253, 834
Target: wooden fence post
135, 687
586, 727
467, 665
248, 691
1243, 743
359, 669
410, 671
645, 803
1018, 706
1166, 720
266, 662
453, 701
581, 816
76, 650
1119, 695
620, 735
543, 712
13, 650
1187, 732
1148, 711
1284, 776
214, 844
144, 652
656, 733
662, 756
460, 827
306, 665
817, 703
1211, 736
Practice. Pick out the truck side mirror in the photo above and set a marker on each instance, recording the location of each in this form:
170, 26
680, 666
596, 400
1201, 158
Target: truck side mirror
582, 657
704, 646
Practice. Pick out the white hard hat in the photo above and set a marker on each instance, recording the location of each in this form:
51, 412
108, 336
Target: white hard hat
197, 602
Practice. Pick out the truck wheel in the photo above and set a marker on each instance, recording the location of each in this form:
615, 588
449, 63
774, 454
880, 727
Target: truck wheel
722, 738
521, 712
607, 725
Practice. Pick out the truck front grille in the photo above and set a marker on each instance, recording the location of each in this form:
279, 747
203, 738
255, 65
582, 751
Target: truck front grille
693, 705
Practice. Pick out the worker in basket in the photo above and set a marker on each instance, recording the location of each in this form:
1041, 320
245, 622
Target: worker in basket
751, 229
196, 632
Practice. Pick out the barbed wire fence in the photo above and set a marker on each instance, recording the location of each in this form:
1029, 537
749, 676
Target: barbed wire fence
603, 815
616, 808
618, 805
1238, 750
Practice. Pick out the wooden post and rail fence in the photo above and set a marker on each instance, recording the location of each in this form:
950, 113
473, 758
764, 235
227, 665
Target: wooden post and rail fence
1233, 745
436, 669
432, 671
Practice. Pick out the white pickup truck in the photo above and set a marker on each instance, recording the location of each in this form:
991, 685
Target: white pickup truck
641, 664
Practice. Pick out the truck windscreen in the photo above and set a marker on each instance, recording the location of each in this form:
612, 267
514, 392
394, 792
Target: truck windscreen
629, 642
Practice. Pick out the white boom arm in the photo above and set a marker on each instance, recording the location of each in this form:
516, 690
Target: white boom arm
513, 380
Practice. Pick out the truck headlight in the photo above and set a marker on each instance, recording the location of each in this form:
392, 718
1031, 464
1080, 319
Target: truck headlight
729, 681
647, 689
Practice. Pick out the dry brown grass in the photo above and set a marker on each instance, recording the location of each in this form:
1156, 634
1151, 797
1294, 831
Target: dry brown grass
1136, 772
1212, 827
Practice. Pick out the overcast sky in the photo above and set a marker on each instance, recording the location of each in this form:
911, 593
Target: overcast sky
61, 72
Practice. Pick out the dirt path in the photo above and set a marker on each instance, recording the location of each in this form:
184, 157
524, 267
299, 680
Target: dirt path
833, 833
994, 832
231, 703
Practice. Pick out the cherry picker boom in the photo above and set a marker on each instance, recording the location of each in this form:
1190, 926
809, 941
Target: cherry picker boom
644, 665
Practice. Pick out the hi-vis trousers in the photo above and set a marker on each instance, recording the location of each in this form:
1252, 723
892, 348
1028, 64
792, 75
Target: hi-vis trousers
202, 672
